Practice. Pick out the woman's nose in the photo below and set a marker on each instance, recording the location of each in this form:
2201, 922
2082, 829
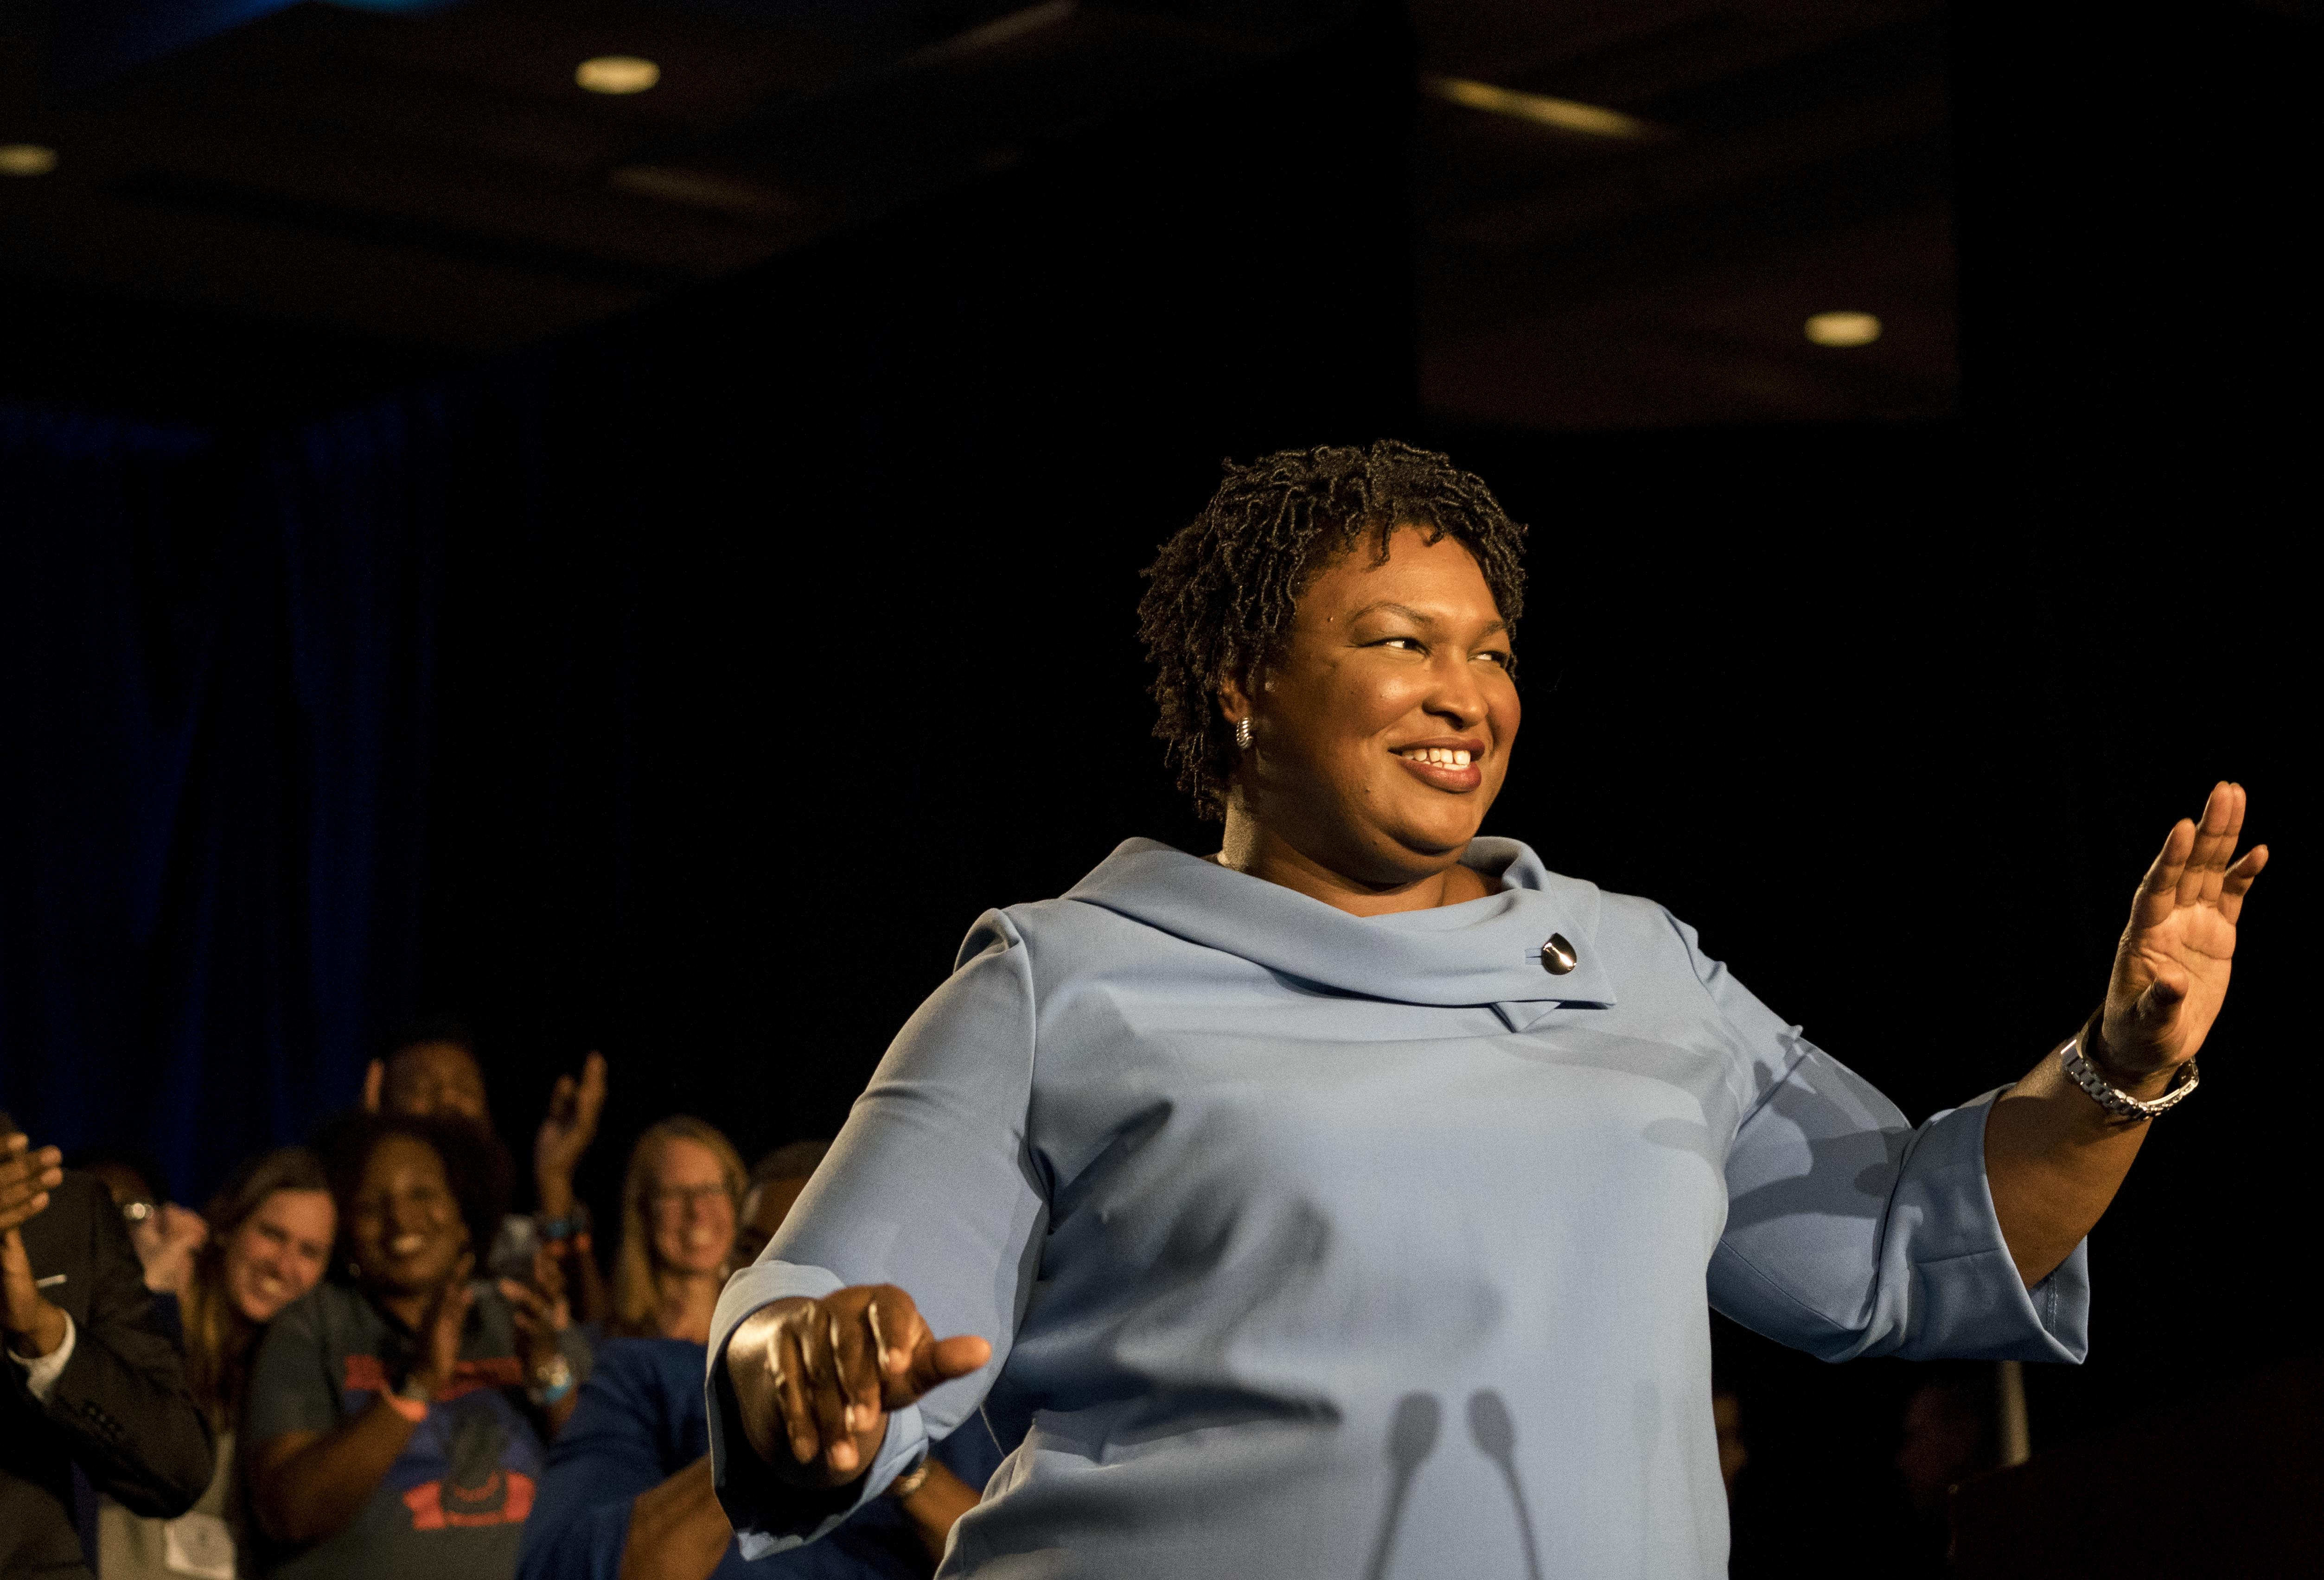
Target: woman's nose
1457, 696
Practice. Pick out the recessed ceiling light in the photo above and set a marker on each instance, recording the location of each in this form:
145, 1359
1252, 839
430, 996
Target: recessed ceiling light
701, 189
26, 159
1562, 114
616, 74
1843, 328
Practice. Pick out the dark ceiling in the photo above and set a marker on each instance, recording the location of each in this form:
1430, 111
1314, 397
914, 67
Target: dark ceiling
1793, 161
430, 183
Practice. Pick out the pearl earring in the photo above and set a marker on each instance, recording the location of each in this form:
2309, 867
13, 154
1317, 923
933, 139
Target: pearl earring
1242, 734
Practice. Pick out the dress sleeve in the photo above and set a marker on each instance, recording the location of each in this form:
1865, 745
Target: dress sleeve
608, 1453
932, 1186
1851, 1233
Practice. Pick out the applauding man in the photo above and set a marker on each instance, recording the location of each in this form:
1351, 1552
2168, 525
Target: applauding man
90, 1377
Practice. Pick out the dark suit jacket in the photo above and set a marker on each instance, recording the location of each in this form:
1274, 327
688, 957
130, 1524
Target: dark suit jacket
120, 1410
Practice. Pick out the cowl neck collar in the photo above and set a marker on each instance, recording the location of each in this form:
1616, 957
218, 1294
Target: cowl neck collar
1480, 952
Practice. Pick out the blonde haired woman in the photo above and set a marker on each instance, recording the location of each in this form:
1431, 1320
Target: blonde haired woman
681, 1200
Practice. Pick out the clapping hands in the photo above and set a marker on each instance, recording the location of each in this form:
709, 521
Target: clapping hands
166, 1240
29, 1325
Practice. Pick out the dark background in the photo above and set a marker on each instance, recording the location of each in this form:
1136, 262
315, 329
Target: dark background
684, 686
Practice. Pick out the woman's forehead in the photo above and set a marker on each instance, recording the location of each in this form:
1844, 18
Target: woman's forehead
402, 1155
680, 1157
296, 1210
1419, 579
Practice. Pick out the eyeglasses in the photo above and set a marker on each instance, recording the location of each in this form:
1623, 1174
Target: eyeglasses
684, 1195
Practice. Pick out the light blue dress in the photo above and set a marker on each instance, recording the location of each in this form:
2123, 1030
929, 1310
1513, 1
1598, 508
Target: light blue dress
1311, 1245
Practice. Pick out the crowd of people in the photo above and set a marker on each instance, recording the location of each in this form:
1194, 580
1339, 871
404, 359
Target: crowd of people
357, 1361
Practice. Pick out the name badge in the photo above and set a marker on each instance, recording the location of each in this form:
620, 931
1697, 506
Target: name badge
197, 1544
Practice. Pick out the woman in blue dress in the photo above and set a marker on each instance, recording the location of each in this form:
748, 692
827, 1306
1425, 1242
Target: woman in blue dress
1345, 1203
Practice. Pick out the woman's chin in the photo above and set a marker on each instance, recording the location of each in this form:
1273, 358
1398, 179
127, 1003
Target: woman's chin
261, 1310
1428, 843
396, 1278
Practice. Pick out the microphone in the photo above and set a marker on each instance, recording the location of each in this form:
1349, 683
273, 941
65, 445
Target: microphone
1411, 1439
1496, 1437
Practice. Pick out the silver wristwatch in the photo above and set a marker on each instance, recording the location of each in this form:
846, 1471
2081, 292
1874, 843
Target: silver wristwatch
2113, 1099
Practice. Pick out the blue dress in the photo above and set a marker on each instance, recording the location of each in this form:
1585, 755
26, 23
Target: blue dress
1316, 1244
639, 1421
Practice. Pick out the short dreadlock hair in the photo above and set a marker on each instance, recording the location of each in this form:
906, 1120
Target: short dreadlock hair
1225, 587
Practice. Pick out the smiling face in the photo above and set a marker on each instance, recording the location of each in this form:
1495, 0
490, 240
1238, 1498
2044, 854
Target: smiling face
279, 1252
687, 1209
404, 1223
1381, 734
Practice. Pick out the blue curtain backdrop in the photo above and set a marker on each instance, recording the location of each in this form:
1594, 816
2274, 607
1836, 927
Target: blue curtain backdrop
218, 662
541, 693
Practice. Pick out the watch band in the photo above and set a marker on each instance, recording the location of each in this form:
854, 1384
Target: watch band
551, 1382
573, 1226
2113, 1099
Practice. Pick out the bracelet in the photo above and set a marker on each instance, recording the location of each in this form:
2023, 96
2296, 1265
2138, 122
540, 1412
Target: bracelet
572, 1226
2113, 1099
906, 1484
551, 1382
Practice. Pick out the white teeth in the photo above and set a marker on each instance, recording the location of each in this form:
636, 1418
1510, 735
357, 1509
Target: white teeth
1443, 757
1460, 759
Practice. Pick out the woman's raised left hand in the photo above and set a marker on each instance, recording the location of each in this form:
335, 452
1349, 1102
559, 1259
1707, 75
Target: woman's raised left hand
2171, 970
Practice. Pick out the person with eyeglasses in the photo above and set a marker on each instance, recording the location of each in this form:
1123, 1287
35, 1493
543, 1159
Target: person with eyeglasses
92, 1377
681, 1198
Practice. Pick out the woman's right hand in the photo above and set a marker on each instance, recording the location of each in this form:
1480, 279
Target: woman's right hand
815, 1379
439, 1330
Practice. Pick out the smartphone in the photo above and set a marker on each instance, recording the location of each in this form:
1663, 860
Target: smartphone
512, 1249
